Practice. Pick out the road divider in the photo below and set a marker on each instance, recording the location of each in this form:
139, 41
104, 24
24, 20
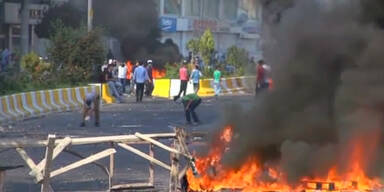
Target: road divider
167, 88
31, 104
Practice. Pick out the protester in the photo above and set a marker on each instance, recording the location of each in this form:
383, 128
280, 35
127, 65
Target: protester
149, 84
261, 80
133, 83
140, 76
183, 75
191, 102
91, 104
195, 76
122, 75
217, 81
112, 84
129, 67
5, 58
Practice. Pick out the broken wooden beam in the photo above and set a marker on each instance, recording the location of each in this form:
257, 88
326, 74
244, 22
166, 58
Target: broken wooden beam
58, 149
157, 143
132, 186
30, 163
82, 162
45, 186
145, 156
130, 139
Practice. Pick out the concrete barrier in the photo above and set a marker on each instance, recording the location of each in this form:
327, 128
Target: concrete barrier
162, 88
234, 85
32, 104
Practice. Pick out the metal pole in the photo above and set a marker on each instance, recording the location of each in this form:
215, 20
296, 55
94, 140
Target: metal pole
24, 36
90, 15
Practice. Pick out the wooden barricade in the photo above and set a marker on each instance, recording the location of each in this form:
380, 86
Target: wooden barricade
42, 172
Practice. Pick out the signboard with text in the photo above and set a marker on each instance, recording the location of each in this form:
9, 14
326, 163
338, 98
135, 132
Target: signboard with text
168, 24
12, 13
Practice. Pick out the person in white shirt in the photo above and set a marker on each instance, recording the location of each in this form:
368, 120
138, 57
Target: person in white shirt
121, 75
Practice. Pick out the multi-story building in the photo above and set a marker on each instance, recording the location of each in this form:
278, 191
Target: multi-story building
233, 22
10, 23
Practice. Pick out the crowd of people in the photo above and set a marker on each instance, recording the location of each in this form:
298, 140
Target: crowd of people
128, 79
137, 79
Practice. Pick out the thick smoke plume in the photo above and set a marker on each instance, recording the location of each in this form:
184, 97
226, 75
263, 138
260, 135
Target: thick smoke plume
135, 24
328, 71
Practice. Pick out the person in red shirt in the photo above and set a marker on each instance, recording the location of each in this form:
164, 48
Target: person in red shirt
183, 74
129, 66
260, 77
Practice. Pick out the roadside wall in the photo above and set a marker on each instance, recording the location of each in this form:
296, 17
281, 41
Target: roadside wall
32, 104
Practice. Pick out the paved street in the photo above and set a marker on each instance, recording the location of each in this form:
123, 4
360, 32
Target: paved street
151, 116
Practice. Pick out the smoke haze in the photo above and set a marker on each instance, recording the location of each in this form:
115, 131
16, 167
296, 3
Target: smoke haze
329, 93
135, 24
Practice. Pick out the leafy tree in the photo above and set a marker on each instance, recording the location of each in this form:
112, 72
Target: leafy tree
37, 68
207, 46
69, 15
76, 53
237, 57
193, 46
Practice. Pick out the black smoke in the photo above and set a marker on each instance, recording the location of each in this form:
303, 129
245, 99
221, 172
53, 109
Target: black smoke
136, 25
328, 71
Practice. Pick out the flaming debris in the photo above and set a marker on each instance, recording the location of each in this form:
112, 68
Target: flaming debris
321, 127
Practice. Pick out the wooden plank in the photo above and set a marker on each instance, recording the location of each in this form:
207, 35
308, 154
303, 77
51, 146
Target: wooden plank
157, 143
111, 167
82, 162
145, 156
174, 175
2, 178
130, 139
151, 167
58, 149
45, 186
133, 186
29, 162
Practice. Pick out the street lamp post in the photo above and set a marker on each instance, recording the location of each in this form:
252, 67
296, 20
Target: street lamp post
90, 15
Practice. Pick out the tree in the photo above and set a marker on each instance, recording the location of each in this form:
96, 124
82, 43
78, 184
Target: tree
237, 57
193, 46
207, 46
75, 53
69, 15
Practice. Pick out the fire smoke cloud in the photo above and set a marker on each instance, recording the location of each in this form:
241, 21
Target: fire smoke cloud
329, 93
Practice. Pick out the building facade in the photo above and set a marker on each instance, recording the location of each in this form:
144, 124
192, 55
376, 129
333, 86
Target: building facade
233, 22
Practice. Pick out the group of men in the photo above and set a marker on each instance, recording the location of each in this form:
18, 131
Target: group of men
119, 76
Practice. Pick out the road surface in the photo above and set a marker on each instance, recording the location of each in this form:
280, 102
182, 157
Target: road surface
152, 116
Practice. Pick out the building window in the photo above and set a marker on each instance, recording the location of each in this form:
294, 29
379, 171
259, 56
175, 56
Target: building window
172, 7
192, 7
211, 8
230, 9
250, 8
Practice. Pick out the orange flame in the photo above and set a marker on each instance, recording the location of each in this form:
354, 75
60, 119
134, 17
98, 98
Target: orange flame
252, 176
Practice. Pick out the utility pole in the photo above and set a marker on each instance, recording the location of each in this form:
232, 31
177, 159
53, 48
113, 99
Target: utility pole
24, 34
90, 15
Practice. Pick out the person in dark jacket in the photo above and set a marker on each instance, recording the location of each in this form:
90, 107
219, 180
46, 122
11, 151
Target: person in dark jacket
191, 102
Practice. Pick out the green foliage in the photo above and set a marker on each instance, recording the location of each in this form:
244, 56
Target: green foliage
237, 57
75, 53
207, 46
38, 69
172, 71
193, 45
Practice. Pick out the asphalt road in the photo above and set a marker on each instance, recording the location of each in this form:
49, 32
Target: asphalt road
151, 116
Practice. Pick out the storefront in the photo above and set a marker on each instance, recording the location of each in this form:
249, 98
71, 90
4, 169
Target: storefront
233, 22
